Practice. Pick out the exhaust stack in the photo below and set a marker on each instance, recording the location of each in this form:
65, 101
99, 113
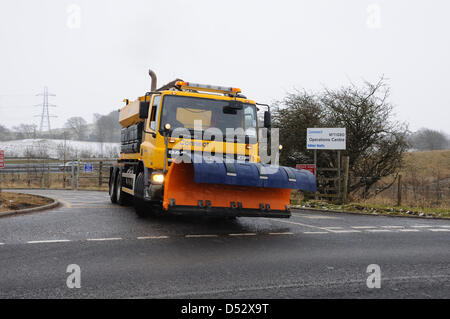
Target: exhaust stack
153, 76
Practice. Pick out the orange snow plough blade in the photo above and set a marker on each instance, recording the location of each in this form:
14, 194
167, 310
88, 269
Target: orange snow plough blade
183, 194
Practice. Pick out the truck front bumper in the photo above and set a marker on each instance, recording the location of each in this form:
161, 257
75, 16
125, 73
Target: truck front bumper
227, 212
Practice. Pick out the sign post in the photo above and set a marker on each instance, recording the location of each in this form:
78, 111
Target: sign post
327, 138
2, 165
315, 162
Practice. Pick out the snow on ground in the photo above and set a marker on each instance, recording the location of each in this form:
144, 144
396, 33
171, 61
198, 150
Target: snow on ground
55, 148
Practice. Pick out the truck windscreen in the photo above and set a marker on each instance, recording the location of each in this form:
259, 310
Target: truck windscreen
182, 111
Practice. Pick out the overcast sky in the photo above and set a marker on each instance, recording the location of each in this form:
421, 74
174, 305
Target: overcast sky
92, 54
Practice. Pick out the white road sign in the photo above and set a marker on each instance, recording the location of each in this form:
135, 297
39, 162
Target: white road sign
325, 138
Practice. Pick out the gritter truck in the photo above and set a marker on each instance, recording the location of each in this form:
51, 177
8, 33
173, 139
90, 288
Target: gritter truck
177, 157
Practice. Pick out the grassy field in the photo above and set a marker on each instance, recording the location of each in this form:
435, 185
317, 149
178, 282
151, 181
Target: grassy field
425, 190
425, 182
428, 163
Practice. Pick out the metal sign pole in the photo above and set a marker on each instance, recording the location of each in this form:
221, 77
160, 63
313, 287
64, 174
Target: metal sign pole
315, 170
339, 173
2, 165
315, 163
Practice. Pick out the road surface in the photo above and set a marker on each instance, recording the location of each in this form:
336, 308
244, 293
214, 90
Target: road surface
310, 255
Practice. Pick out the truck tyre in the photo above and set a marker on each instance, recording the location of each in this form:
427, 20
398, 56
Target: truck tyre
122, 198
112, 185
140, 206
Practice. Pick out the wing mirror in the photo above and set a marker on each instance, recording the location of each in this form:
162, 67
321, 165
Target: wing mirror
143, 109
267, 119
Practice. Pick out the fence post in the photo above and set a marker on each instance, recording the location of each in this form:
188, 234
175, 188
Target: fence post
73, 175
48, 173
78, 173
28, 172
399, 190
64, 175
346, 161
100, 167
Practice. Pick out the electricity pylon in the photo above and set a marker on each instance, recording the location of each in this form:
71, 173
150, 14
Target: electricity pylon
45, 115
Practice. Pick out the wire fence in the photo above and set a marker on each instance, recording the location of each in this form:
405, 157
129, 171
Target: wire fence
43, 173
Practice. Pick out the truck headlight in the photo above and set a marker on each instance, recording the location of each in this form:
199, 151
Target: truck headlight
158, 178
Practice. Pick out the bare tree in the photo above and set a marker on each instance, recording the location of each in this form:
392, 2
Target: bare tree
5, 133
296, 112
112, 152
26, 130
429, 140
107, 127
375, 142
78, 127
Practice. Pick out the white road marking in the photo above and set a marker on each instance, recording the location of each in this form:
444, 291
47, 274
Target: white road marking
393, 227
445, 226
85, 202
285, 233
153, 237
48, 241
104, 239
98, 206
315, 216
243, 234
363, 227
346, 231
2, 244
409, 230
421, 226
201, 236
315, 232
438, 229
378, 230
296, 223
340, 230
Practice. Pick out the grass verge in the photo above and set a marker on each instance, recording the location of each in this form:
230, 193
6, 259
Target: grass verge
375, 209
14, 201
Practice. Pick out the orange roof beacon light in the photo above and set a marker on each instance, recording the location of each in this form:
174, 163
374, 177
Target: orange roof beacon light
207, 87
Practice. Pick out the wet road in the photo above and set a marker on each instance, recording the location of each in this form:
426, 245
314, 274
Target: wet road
312, 254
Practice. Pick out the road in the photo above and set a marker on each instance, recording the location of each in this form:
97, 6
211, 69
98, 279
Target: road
310, 255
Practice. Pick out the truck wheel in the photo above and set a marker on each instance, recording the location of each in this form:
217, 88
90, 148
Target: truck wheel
112, 186
140, 206
122, 198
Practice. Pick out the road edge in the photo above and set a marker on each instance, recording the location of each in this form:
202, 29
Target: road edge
366, 214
